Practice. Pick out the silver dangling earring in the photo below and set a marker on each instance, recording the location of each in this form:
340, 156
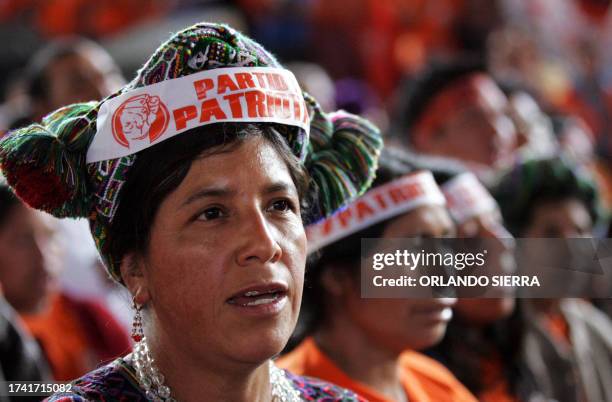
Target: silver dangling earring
137, 332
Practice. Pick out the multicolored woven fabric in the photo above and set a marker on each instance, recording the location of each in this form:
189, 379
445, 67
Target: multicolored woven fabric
46, 163
117, 382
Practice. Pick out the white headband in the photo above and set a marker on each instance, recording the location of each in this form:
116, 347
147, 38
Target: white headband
467, 197
381, 203
145, 116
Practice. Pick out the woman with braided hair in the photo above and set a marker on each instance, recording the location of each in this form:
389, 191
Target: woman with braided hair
197, 179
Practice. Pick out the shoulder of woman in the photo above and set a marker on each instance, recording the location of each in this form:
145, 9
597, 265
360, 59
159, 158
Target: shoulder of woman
314, 389
115, 378
426, 369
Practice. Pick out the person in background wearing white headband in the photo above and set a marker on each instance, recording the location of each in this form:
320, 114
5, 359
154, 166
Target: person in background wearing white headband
480, 345
369, 345
477, 215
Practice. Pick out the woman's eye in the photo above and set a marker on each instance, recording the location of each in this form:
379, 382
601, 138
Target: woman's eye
282, 205
210, 214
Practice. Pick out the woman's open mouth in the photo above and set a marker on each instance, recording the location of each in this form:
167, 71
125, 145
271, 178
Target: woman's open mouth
264, 299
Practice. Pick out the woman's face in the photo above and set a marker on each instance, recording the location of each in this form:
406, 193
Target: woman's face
499, 244
81, 77
24, 278
565, 218
399, 324
478, 130
224, 269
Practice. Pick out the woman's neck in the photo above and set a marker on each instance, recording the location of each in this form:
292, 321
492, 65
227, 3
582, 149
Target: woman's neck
191, 379
360, 358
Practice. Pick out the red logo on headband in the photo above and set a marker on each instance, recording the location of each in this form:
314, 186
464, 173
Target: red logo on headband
139, 117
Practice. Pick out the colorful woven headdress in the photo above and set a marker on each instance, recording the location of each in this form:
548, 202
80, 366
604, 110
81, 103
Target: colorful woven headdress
61, 166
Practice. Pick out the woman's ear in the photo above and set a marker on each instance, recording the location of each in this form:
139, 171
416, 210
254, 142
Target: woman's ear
133, 275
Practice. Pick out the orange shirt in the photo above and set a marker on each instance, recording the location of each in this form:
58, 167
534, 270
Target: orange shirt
496, 386
81, 17
424, 379
558, 328
76, 336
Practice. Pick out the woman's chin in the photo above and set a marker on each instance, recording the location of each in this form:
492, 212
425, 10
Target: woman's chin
426, 337
255, 340
259, 349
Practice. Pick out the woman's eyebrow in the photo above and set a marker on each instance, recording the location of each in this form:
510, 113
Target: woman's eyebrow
279, 187
225, 192
208, 192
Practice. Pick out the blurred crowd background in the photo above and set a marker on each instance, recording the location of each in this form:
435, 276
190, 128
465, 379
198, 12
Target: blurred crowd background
352, 54
550, 58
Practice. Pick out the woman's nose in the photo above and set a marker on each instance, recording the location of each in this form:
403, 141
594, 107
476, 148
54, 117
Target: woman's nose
258, 242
